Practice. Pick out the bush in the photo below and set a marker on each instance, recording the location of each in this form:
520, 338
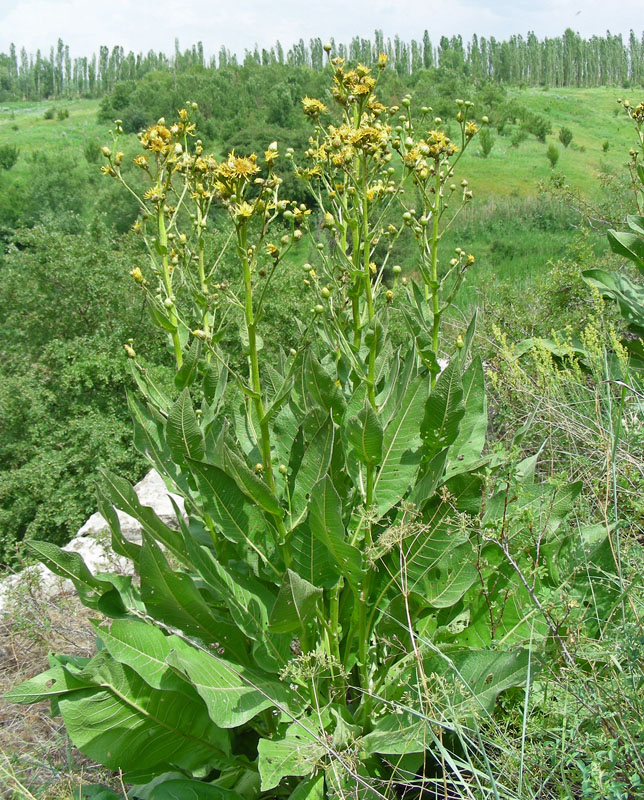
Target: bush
63, 113
552, 154
486, 142
8, 155
518, 137
565, 136
50, 113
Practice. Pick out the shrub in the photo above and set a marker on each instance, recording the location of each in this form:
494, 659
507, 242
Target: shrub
50, 113
8, 155
62, 113
565, 136
486, 142
552, 154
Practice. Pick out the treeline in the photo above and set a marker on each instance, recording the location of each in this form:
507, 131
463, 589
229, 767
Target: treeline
567, 60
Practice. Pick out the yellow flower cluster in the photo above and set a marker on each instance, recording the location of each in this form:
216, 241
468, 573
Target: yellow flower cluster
312, 107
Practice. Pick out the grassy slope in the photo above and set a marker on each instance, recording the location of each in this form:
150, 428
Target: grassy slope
589, 113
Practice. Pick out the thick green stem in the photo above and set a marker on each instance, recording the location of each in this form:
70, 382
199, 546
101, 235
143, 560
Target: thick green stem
366, 266
434, 286
167, 282
255, 381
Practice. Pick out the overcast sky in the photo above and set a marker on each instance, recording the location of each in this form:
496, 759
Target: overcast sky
154, 24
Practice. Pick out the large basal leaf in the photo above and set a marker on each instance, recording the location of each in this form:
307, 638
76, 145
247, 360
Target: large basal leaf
475, 678
297, 753
295, 605
70, 565
173, 598
50, 685
182, 431
401, 448
444, 411
123, 723
232, 693
144, 648
440, 565
399, 733
325, 522
184, 789
314, 464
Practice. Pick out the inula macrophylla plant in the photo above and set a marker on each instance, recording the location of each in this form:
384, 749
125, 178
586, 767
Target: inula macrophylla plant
353, 583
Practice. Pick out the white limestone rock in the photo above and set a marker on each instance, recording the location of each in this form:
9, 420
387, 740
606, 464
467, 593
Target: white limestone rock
93, 544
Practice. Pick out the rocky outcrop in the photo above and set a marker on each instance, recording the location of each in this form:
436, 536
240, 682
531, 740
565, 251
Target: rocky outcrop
92, 542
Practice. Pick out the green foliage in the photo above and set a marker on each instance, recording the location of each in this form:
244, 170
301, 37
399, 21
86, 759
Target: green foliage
50, 113
552, 153
8, 156
486, 142
565, 136
62, 113
348, 550
63, 379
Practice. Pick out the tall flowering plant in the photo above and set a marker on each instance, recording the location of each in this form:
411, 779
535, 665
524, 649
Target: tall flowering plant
321, 621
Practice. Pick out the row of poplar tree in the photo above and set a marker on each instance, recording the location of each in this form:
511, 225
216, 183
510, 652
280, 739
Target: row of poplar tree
567, 60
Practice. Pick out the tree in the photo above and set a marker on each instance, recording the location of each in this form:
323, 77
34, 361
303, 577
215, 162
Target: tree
553, 155
565, 136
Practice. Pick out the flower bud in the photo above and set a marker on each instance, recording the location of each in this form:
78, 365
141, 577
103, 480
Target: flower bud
397, 269
106, 151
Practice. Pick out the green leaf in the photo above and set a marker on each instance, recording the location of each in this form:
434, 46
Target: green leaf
214, 383
185, 438
629, 295
309, 789
123, 496
441, 565
444, 411
297, 753
123, 723
629, 245
312, 559
142, 647
470, 440
188, 370
401, 448
365, 435
174, 598
50, 685
295, 604
232, 513
160, 318
635, 222
68, 564
325, 522
475, 678
314, 464
322, 387
185, 789
251, 484
232, 693
398, 734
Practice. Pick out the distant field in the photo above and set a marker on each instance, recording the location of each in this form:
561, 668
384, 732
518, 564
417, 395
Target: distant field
24, 124
589, 113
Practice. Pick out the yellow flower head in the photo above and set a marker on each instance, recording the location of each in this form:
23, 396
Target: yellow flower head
313, 107
157, 138
238, 167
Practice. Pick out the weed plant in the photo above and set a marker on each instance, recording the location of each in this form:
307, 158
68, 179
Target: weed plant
357, 583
